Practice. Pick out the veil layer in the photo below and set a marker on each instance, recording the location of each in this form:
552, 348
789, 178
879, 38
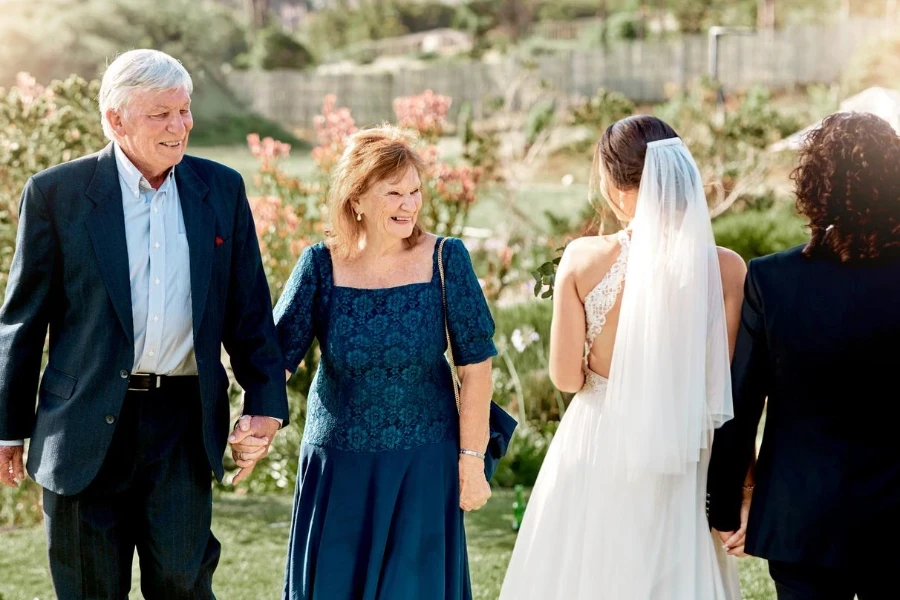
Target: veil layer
669, 383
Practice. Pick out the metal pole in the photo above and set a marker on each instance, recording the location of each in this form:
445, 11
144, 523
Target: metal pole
715, 33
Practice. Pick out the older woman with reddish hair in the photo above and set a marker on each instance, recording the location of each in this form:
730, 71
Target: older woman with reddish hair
819, 336
388, 461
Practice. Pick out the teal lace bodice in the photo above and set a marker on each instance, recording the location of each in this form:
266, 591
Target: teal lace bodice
383, 382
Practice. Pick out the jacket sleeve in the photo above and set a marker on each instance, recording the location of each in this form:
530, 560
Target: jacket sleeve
24, 316
249, 331
735, 442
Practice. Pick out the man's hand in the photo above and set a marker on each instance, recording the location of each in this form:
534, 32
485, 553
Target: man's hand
474, 490
11, 468
250, 442
733, 541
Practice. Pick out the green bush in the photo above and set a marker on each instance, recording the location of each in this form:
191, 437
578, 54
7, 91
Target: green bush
567, 10
525, 455
335, 28
602, 110
273, 49
623, 26
416, 17
753, 233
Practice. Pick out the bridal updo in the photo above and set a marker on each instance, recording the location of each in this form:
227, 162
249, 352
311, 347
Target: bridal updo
619, 159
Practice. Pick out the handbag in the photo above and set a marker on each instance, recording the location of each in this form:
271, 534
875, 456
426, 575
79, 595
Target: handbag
502, 425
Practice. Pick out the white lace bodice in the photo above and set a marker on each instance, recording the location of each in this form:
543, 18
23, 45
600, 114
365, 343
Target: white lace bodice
600, 301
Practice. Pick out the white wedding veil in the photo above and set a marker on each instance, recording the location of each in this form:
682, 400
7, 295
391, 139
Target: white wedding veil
669, 383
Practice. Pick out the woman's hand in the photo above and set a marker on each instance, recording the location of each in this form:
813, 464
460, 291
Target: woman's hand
734, 542
474, 490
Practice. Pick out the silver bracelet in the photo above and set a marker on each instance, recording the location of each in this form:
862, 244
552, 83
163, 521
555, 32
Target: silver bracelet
472, 453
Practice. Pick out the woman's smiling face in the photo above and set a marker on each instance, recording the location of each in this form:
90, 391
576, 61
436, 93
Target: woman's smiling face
390, 207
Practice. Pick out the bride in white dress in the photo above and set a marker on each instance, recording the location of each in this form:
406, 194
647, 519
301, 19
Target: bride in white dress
618, 509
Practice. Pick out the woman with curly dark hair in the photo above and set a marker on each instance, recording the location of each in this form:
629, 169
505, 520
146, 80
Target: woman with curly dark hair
820, 338
848, 186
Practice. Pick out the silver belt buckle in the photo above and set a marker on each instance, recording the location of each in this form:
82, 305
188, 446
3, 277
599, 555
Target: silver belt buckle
157, 383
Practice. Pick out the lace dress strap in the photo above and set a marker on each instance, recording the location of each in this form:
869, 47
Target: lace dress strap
601, 299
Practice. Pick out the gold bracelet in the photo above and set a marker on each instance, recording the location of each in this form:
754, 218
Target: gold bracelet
748, 488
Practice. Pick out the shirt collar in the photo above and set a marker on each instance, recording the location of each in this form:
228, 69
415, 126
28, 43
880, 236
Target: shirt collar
134, 180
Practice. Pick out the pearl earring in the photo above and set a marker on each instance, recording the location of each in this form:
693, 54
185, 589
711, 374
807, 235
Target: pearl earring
359, 216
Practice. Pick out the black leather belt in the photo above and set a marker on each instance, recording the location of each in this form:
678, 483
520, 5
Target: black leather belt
144, 382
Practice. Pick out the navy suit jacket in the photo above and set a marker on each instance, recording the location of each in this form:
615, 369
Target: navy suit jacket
821, 340
70, 273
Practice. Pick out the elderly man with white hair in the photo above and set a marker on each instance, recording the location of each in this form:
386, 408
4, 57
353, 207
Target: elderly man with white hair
142, 262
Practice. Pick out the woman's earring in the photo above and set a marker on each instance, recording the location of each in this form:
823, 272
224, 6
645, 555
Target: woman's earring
359, 216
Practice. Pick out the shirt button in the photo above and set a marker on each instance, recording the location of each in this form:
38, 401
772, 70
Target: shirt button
156, 245
151, 353
156, 210
156, 318
156, 282
110, 419
124, 374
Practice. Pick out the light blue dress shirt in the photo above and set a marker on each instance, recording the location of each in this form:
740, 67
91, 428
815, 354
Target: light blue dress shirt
160, 272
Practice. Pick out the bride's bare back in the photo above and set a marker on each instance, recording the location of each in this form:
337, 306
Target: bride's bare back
585, 264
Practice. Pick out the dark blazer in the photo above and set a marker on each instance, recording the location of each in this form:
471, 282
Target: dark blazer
70, 272
821, 340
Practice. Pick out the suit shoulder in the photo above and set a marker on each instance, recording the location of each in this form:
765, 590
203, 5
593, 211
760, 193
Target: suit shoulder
73, 169
778, 260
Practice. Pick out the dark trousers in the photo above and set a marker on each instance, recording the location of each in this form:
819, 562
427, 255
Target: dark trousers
153, 493
869, 581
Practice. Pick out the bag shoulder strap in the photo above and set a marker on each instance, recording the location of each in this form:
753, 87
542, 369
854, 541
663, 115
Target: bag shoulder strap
440, 260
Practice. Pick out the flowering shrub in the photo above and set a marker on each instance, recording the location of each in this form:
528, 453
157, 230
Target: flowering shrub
333, 127
451, 190
40, 127
426, 113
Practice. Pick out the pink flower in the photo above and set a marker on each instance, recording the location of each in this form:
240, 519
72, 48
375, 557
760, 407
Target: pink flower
333, 127
426, 112
267, 150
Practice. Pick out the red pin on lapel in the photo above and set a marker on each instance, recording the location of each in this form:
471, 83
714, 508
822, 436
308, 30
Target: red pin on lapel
219, 241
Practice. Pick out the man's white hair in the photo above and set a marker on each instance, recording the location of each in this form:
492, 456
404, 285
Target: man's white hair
139, 70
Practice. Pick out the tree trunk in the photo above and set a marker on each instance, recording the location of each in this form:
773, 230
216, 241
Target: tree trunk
257, 12
602, 14
765, 14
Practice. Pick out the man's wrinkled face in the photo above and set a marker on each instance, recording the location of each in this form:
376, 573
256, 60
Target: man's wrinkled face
153, 129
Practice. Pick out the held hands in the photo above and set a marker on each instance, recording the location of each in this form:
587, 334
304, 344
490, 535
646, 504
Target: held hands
474, 490
12, 471
733, 541
250, 442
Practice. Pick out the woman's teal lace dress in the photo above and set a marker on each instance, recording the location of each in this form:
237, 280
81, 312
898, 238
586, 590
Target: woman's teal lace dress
376, 511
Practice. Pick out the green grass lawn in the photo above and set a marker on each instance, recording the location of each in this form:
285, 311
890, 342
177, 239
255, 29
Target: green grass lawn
254, 532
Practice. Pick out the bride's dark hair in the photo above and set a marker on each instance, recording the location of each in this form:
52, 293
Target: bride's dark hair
623, 146
620, 153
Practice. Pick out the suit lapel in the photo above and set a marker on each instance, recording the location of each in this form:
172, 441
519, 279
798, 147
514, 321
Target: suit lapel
200, 226
106, 226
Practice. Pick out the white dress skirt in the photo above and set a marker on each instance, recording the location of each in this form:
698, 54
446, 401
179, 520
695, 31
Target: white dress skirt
587, 535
